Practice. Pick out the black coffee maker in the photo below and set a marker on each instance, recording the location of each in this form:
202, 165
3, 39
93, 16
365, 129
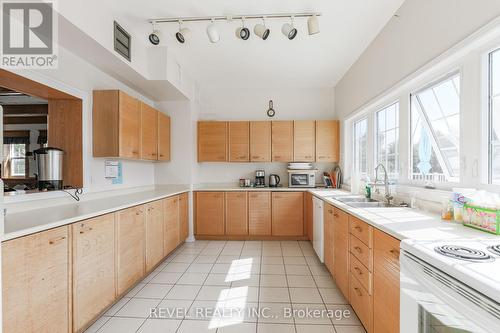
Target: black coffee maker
260, 178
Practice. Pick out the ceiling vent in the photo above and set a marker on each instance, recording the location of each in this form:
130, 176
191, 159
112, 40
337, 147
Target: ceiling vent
122, 41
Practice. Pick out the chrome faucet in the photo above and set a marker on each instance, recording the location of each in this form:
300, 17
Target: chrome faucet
388, 195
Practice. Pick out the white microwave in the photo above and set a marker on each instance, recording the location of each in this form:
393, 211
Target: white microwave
301, 178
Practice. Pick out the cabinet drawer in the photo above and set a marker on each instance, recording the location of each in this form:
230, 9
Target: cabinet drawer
361, 230
362, 303
386, 254
361, 273
361, 251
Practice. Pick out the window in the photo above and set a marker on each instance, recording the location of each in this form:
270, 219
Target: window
387, 136
15, 159
360, 129
435, 131
494, 118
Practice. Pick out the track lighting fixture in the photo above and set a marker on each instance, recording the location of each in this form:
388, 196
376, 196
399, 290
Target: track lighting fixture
313, 25
154, 36
213, 33
243, 32
182, 34
261, 30
289, 30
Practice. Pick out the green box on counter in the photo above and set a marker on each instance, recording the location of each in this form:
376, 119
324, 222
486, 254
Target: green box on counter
485, 219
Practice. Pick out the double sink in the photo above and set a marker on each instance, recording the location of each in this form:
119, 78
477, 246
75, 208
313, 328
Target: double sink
358, 201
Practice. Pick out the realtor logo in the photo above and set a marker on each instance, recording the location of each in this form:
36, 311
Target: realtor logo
28, 34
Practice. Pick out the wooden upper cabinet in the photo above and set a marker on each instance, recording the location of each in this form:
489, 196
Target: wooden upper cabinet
36, 284
209, 213
341, 250
304, 139
239, 141
93, 268
163, 137
327, 141
116, 125
385, 283
183, 216
212, 141
130, 246
149, 133
282, 141
328, 237
154, 234
288, 214
260, 141
259, 213
236, 213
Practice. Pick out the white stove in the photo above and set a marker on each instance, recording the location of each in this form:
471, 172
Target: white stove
450, 285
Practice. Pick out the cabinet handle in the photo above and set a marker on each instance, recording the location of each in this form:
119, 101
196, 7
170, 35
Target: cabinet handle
309, 156
255, 157
330, 211
84, 230
358, 291
358, 228
336, 215
357, 248
394, 253
139, 212
358, 270
277, 156
58, 239
135, 152
321, 157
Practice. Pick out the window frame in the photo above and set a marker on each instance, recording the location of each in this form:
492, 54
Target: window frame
374, 125
355, 171
451, 180
489, 119
26, 163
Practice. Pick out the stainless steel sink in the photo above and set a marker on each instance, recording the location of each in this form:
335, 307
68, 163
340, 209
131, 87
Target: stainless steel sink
352, 198
371, 204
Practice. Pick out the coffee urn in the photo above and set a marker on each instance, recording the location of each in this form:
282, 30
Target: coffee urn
50, 168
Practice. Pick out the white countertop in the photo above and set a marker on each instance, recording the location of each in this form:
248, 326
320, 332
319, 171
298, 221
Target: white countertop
31, 221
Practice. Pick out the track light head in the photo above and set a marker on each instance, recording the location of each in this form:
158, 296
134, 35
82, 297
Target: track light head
242, 32
261, 30
313, 25
289, 30
183, 34
154, 37
213, 33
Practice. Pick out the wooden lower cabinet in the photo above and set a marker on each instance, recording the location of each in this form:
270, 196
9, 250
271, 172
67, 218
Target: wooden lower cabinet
154, 234
171, 226
287, 213
93, 268
130, 244
341, 250
209, 213
362, 303
308, 206
183, 216
36, 283
259, 213
236, 213
385, 283
328, 237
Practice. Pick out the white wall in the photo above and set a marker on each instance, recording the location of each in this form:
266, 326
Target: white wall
424, 30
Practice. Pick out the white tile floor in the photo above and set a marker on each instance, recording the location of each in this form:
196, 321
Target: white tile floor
235, 279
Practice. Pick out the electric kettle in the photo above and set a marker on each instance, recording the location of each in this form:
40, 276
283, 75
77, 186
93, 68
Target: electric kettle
274, 180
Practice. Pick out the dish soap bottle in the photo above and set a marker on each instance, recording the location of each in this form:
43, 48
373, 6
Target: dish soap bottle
368, 191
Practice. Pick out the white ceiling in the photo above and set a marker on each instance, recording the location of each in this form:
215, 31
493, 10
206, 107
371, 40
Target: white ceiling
347, 27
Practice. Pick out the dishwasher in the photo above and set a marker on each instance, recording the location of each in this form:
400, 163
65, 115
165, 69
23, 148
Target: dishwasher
318, 231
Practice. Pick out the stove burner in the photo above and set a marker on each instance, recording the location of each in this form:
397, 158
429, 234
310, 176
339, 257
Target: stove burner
463, 253
495, 249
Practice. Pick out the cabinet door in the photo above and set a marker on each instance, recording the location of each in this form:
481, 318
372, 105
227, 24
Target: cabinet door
385, 283
341, 250
35, 283
236, 213
163, 137
282, 141
288, 214
328, 236
239, 141
129, 127
210, 213
304, 141
149, 132
308, 206
212, 141
154, 234
259, 213
93, 268
130, 247
260, 141
327, 141
184, 216
171, 228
